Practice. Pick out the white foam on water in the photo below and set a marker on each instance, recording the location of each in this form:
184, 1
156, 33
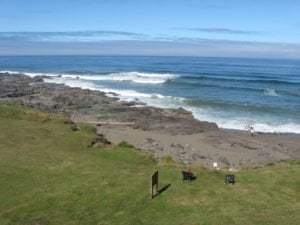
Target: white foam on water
9, 71
152, 99
156, 100
270, 92
258, 125
128, 94
125, 95
144, 78
280, 128
136, 77
30, 74
72, 83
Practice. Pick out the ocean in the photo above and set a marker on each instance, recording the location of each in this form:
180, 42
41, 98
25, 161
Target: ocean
231, 92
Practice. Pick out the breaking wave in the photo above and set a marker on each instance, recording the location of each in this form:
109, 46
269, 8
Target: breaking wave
30, 74
259, 126
136, 77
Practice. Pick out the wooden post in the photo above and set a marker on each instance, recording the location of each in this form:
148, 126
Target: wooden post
154, 182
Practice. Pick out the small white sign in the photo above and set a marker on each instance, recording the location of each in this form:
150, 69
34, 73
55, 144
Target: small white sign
215, 164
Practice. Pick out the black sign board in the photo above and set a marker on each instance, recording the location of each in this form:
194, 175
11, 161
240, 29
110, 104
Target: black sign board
154, 183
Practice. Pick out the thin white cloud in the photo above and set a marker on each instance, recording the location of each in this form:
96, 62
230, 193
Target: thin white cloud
68, 36
221, 31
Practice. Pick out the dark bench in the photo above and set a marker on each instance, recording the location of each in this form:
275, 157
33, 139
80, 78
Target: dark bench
188, 176
230, 179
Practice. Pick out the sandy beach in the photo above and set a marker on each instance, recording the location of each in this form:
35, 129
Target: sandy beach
159, 132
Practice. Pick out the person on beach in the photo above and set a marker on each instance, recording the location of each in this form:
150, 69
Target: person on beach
247, 128
252, 131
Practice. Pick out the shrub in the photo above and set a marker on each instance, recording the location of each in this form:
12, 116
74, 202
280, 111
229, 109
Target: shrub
124, 144
87, 127
74, 127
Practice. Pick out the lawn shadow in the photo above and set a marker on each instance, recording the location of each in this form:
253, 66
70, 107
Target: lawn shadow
193, 178
162, 190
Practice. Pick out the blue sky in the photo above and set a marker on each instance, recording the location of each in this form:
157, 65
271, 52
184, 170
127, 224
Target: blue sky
254, 28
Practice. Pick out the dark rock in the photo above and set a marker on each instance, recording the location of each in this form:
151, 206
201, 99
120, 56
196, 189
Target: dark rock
100, 141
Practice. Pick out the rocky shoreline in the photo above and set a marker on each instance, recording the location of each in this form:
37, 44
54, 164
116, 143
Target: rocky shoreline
159, 132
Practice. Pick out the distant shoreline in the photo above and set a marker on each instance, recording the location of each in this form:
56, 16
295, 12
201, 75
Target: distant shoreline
237, 114
138, 103
159, 132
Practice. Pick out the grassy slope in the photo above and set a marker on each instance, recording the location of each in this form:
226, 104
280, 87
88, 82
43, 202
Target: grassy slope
48, 175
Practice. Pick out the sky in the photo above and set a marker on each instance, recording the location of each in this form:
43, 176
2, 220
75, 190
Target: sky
235, 28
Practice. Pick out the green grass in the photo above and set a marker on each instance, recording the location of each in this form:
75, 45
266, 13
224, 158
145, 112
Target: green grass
124, 144
48, 175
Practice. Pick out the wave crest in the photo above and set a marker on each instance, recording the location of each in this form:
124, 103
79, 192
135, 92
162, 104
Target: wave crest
270, 92
136, 77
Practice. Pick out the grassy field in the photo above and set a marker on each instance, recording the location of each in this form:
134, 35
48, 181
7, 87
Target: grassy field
48, 175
